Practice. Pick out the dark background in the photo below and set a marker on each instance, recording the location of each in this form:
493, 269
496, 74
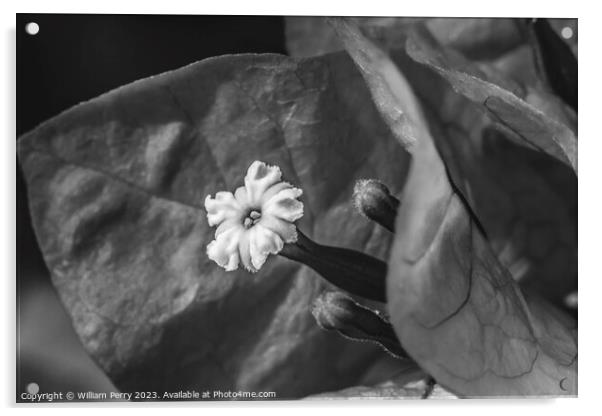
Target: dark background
74, 58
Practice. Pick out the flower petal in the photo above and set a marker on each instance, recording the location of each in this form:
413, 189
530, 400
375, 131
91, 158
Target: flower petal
259, 178
263, 243
285, 205
241, 197
244, 251
227, 225
224, 206
284, 229
273, 190
224, 249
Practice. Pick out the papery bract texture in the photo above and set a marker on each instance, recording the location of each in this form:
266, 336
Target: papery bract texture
456, 309
116, 189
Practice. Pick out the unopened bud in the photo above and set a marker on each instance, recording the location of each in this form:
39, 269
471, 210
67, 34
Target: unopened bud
373, 199
338, 312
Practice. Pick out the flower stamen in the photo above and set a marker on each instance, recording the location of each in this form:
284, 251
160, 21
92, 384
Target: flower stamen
251, 219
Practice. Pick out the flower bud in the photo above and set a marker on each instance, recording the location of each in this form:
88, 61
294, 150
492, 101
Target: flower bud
337, 312
373, 199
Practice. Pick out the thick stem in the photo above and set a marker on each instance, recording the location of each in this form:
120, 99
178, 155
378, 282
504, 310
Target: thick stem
430, 386
350, 270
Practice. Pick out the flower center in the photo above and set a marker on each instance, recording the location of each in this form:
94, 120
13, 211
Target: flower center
251, 219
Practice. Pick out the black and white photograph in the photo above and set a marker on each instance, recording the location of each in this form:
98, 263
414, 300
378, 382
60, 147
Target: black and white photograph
284, 207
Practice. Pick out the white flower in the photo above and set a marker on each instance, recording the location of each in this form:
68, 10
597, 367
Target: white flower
255, 221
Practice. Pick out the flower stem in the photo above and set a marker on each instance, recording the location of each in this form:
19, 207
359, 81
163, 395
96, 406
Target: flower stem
350, 270
430, 386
